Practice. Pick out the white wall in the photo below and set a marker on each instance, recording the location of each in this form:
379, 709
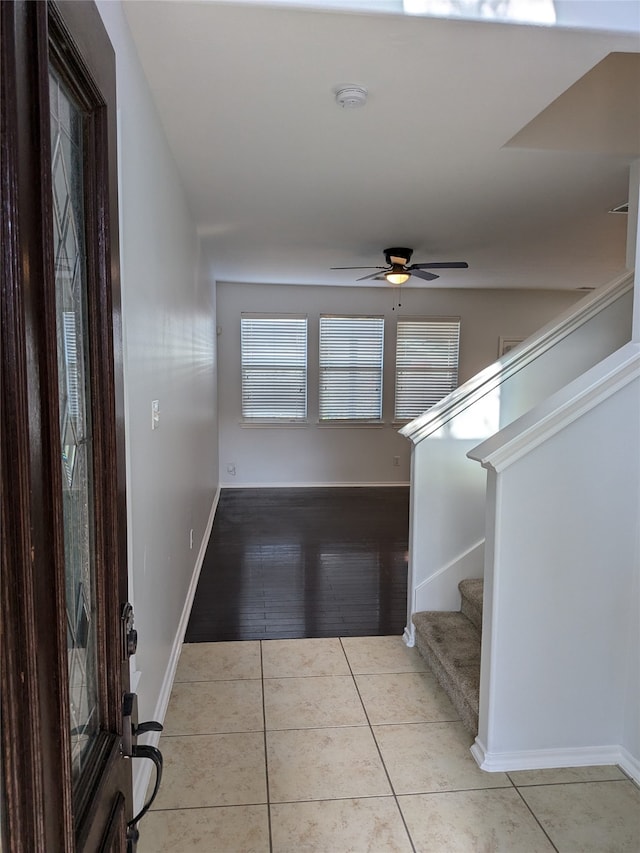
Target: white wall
605, 15
321, 454
631, 730
169, 339
561, 590
633, 239
609, 330
631, 737
448, 494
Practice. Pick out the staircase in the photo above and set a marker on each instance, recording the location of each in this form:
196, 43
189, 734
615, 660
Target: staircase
537, 423
450, 643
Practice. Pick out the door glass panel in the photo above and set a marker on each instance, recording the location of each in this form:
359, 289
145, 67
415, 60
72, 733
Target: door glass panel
75, 420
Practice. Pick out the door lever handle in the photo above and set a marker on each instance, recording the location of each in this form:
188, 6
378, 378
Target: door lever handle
153, 754
130, 726
149, 726
130, 731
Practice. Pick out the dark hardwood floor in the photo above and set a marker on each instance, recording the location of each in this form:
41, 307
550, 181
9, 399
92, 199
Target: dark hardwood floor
304, 562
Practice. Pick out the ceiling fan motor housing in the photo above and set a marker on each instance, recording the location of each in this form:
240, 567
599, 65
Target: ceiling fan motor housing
398, 255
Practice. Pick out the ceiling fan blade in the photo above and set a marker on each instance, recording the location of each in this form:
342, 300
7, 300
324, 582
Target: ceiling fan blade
373, 275
357, 268
443, 265
427, 276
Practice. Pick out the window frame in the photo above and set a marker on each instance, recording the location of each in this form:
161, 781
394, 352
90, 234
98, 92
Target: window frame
416, 370
285, 395
325, 369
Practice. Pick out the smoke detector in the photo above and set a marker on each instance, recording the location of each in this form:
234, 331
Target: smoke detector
350, 97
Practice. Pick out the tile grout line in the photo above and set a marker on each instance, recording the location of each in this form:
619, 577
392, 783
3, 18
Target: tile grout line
533, 814
216, 680
573, 782
266, 760
396, 796
213, 734
384, 766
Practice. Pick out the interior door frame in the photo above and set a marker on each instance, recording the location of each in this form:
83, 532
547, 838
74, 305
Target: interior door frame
40, 810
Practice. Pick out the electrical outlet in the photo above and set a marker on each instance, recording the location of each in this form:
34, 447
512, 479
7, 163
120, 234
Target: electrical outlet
231, 469
396, 461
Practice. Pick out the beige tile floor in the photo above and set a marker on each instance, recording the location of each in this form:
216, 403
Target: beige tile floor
336, 745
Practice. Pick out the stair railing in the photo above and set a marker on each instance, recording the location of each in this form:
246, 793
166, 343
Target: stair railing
561, 584
447, 509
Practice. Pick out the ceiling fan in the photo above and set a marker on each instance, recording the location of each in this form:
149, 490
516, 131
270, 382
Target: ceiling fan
398, 271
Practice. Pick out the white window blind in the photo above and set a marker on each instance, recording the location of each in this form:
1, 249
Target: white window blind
351, 353
426, 363
274, 367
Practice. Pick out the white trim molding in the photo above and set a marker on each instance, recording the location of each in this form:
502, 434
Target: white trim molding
142, 773
440, 590
629, 764
544, 759
409, 636
517, 358
559, 410
281, 485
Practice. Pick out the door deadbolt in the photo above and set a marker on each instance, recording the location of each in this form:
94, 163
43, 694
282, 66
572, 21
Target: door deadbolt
128, 632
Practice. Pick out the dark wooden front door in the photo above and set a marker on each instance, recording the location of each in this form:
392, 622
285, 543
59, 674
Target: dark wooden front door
66, 781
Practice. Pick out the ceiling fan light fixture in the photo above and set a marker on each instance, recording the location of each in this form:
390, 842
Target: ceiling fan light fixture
397, 275
398, 269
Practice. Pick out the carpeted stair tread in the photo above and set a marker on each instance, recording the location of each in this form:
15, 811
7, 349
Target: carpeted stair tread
453, 638
450, 644
471, 592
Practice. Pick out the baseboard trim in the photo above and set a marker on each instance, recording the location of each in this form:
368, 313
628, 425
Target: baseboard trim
630, 765
542, 759
142, 773
311, 485
409, 636
440, 590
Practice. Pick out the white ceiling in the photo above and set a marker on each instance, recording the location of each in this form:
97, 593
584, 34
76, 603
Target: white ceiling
284, 184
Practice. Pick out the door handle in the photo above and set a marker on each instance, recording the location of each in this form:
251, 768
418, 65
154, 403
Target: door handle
153, 754
130, 731
149, 726
131, 728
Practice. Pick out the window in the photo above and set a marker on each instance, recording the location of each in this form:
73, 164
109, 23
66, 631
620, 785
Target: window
426, 364
274, 367
351, 368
